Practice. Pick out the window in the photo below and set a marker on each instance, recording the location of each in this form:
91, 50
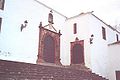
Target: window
2, 4
103, 33
0, 23
117, 75
75, 28
50, 17
117, 37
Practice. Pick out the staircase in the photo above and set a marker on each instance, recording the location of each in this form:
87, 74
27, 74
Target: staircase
10, 70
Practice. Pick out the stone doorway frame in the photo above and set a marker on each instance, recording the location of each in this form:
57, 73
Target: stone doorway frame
43, 32
76, 42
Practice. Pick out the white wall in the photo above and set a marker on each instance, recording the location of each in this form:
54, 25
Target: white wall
69, 36
23, 46
114, 60
96, 54
99, 48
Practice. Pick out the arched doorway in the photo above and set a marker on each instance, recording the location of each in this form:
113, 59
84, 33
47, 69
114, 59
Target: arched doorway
77, 52
49, 49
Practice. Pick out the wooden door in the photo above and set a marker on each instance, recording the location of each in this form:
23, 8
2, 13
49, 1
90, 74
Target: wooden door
77, 52
49, 49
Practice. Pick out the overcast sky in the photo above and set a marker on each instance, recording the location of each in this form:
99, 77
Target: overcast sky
107, 10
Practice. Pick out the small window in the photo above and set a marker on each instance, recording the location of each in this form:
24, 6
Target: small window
103, 33
0, 23
117, 37
75, 28
50, 17
117, 75
2, 4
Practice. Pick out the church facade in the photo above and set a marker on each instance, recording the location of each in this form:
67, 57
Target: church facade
20, 28
35, 33
96, 35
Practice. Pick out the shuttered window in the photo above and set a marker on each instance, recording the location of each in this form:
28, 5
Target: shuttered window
0, 23
117, 37
117, 75
75, 28
2, 4
103, 33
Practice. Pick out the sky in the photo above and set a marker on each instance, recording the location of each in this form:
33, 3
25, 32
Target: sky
107, 10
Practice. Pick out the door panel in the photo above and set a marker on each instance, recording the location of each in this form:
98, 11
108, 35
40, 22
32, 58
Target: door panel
77, 52
49, 49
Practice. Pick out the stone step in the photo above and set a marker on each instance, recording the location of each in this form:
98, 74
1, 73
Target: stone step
10, 70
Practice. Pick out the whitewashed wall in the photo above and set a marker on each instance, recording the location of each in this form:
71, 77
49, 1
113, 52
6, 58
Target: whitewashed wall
99, 48
23, 46
96, 54
99, 53
114, 60
69, 36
